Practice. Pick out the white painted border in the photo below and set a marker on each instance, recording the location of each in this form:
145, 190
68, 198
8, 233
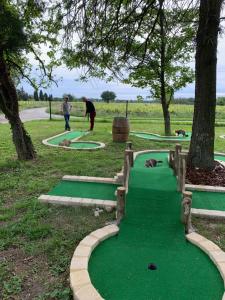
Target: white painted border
166, 138
209, 214
205, 188
89, 179
211, 249
46, 142
79, 277
75, 201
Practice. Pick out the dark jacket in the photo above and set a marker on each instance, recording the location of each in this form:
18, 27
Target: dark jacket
89, 107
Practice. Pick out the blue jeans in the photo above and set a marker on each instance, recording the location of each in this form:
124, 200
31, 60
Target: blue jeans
67, 118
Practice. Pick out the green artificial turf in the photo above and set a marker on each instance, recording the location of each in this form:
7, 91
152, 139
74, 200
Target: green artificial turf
68, 136
151, 136
94, 190
152, 232
208, 200
84, 145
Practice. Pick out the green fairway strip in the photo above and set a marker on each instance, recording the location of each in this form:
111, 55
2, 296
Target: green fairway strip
152, 136
84, 145
209, 200
152, 232
93, 190
68, 136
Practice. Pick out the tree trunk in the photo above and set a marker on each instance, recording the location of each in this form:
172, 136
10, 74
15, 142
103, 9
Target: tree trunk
201, 153
9, 106
165, 108
166, 116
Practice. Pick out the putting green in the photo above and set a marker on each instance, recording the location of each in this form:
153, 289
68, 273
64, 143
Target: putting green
81, 189
151, 232
157, 137
71, 135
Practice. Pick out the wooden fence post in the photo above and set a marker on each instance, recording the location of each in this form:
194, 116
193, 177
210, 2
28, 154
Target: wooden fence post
128, 145
186, 211
178, 149
128, 163
181, 174
171, 158
121, 203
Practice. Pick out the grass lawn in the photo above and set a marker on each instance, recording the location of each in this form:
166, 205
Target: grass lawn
36, 240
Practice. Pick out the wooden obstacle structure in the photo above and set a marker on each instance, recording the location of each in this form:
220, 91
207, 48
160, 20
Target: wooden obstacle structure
121, 191
178, 162
186, 211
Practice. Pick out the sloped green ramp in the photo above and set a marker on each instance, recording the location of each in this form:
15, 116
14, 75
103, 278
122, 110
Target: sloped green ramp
152, 233
93, 190
156, 137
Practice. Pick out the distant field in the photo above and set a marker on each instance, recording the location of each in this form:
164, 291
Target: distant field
135, 110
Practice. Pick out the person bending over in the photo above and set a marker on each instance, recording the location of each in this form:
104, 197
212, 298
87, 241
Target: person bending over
90, 109
66, 108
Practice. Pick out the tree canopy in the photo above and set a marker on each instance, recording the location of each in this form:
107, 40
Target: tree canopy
108, 96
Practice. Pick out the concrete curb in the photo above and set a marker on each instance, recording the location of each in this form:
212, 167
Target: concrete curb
89, 179
209, 214
79, 277
211, 249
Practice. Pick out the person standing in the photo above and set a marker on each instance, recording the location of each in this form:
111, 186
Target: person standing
66, 108
90, 109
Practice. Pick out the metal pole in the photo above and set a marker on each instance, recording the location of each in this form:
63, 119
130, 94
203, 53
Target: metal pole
50, 109
126, 108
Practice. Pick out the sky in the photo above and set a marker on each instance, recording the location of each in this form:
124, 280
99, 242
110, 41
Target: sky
94, 87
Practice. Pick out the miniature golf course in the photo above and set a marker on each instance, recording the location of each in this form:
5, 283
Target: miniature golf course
151, 232
81, 189
157, 137
71, 135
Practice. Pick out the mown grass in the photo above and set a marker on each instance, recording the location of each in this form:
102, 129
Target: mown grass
36, 240
182, 112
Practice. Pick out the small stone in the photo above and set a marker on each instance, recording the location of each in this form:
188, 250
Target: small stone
109, 208
96, 213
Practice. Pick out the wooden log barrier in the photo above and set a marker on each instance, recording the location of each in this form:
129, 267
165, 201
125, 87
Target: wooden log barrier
178, 149
181, 174
171, 158
121, 203
186, 211
128, 163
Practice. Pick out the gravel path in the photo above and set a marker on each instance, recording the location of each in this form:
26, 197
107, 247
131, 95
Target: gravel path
31, 114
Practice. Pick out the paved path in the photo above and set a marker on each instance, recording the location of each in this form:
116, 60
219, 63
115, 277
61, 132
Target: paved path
31, 114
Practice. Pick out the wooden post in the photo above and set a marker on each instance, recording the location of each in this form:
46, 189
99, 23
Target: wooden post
121, 203
178, 149
186, 211
125, 169
129, 145
171, 158
182, 157
130, 154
